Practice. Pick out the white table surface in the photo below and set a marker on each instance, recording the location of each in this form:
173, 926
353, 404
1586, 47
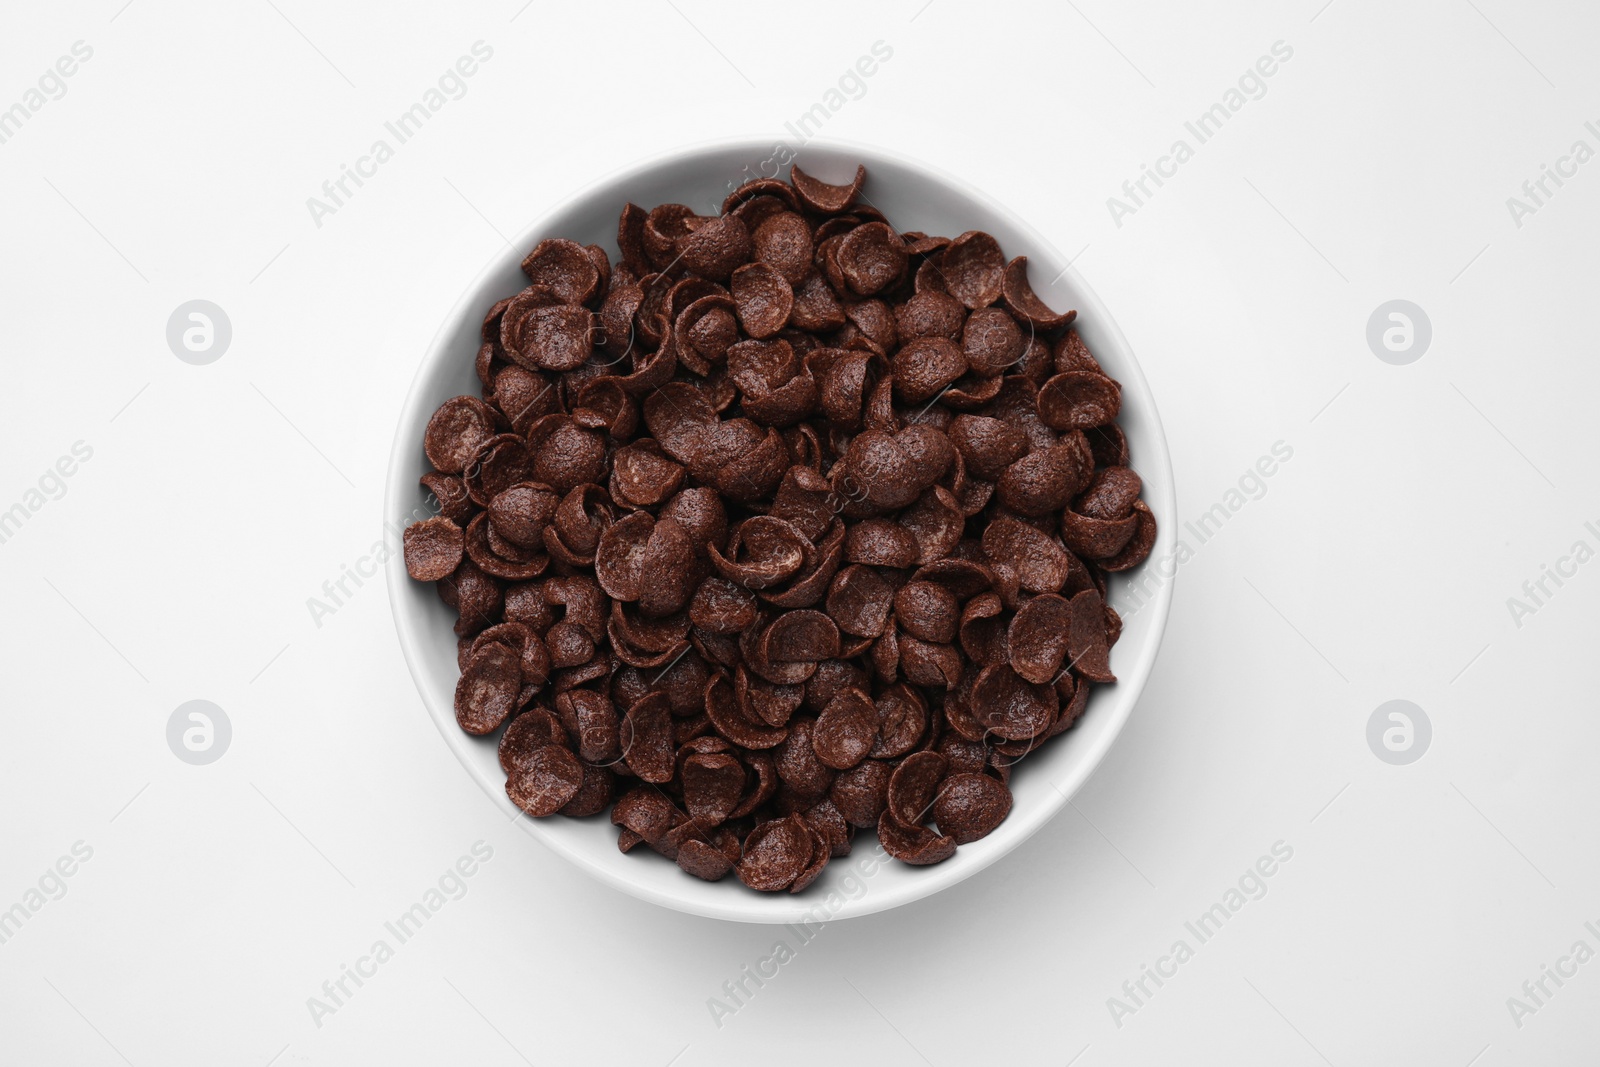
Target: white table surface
176, 562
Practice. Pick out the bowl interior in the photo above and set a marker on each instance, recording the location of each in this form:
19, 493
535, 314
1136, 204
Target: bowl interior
913, 197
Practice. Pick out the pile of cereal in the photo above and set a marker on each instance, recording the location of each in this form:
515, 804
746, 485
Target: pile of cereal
783, 525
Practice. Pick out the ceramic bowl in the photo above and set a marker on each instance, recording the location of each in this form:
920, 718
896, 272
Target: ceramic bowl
913, 196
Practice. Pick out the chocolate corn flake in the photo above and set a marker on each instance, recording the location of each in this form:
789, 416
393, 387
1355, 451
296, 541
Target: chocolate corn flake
721, 607
930, 664
433, 548
919, 846
1079, 400
825, 199
862, 792
565, 268
1040, 562
782, 524
594, 793
971, 268
549, 779
712, 786
860, 600
662, 228
871, 257
1022, 303
776, 853
1093, 538
1010, 707
1087, 637
763, 298
846, 730
703, 860
925, 365
930, 313
982, 633
782, 241
883, 543
734, 722
970, 806
528, 732
457, 430
716, 248
825, 820
647, 812
992, 342
935, 522
1044, 480
1137, 550
1111, 494
820, 854
927, 610
912, 788
488, 689
591, 720
646, 738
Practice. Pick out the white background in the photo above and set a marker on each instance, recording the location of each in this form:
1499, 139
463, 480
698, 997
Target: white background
1377, 565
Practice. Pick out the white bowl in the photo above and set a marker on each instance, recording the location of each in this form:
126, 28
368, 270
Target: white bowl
914, 197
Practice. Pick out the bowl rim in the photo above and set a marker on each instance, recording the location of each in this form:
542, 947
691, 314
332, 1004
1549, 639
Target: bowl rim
1130, 685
